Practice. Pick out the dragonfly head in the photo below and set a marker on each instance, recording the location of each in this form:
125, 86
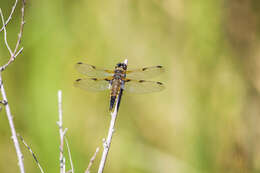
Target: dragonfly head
121, 65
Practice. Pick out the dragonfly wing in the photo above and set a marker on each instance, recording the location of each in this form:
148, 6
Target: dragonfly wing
93, 84
142, 86
144, 73
92, 71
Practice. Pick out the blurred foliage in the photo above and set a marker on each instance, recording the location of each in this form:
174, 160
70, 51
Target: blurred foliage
207, 118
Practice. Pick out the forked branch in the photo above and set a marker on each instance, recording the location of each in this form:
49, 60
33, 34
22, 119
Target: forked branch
10, 15
13, 55
16, 51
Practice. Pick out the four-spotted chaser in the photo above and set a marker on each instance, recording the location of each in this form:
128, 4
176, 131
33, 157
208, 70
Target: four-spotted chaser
118, 80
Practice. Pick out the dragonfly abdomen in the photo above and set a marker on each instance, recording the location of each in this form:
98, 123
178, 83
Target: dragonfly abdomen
115, 90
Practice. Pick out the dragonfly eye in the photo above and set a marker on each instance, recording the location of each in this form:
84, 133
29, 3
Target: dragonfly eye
118, 65
121, 65
124, 66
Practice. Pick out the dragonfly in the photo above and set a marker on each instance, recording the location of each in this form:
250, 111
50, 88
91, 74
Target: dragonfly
118, 80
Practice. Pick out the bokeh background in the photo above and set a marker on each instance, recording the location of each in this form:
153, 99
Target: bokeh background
207, 118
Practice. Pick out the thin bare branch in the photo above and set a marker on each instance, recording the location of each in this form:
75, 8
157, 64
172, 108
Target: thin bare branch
21, 28
30, 150
10, 16
92, 161
62, 133
5, 33
71, 163
13, 55
16, 52
11, 124
107, 141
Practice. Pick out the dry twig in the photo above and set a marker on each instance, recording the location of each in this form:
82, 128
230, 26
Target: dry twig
71, 163
13, 55
107, 142
16, 52
92, 160
13, 131
62, 133
10, 15
30, 150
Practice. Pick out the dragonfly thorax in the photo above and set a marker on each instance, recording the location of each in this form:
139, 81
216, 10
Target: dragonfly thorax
119, 75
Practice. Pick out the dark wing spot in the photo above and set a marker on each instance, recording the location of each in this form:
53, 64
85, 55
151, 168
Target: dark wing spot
145, 68
160, 83
141, 81
127, 80
79, 63
94, 79
78, 80
94, 67
107, 79
159, 66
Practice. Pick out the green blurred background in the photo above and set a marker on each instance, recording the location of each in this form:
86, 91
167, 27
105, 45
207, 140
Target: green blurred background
205, 121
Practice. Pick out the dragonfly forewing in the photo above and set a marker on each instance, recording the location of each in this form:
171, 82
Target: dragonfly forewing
144, 73
93, 71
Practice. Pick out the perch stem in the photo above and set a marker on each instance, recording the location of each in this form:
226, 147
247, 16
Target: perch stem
108, 140
11, 124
